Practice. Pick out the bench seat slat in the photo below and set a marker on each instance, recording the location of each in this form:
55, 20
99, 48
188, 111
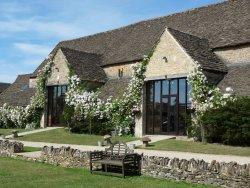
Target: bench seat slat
110, 162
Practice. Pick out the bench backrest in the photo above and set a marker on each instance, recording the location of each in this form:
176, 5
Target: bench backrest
119, 148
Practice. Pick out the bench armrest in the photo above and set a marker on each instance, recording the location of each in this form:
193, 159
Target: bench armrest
132, 157
96, 155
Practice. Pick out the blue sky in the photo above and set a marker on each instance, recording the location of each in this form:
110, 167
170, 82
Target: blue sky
29, 29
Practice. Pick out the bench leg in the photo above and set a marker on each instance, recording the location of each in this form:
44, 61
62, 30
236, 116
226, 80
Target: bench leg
123, 171
91, 167
106, 168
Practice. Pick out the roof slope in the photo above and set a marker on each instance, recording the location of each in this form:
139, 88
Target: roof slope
199, 50
114, 88
222, 24
238, 77
3, 86
85, 65
19, 93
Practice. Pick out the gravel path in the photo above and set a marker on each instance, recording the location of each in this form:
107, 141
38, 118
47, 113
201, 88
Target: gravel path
170, 154
153, 138
35, 131
200, 156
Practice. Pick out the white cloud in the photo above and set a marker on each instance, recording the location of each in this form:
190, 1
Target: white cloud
39, 27
9, 72
10, 8
34, 62
33, 49
56, 29
13, 26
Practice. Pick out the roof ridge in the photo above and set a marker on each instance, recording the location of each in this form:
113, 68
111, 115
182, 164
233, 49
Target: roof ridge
5, 83
24, 74
146, 20
201, 38
80, 51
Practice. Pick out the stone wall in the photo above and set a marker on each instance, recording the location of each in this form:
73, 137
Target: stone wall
59, 70
112, 71
195, 171
232, 55
65, 156
178, 61
8, 148
32, 82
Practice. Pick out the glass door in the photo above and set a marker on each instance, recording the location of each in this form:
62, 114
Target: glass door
166, 104
55, 104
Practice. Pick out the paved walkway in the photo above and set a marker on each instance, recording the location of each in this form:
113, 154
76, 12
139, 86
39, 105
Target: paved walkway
42, 144
200, 156
170, 154
35, 131
153, 138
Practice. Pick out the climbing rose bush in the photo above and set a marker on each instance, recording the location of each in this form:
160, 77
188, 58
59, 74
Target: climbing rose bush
30, 115
204, 96
118, 112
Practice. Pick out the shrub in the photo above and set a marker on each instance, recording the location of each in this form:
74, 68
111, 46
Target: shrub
98, 127
229, 124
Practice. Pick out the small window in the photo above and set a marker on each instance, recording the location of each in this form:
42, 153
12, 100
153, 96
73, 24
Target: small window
24, 87
120, 72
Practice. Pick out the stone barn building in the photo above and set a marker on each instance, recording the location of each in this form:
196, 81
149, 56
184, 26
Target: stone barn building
216, 36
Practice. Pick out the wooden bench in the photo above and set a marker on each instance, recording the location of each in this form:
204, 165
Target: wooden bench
116, 160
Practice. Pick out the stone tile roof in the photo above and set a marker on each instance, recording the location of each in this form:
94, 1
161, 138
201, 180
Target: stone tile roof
199, 50
114, 88
223, 24
3, 86
85, 65
18, 93
238, 78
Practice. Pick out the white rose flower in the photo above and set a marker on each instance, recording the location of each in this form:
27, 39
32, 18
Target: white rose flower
229, 89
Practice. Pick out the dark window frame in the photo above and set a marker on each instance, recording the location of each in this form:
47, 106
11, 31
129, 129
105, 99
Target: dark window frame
177, 109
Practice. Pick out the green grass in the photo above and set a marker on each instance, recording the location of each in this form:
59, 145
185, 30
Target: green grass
18, 173
198, 147
30, 149
9, 131
65, 137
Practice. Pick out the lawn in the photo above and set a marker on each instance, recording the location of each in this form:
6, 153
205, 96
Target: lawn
31, 149
65, 137
18, 173
9, 131
198, 147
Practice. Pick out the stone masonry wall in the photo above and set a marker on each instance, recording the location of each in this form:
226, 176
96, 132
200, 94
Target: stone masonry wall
178, 61
8, 148
32, 83
195, 171
59, 71
65, 156
234, 55
112, 71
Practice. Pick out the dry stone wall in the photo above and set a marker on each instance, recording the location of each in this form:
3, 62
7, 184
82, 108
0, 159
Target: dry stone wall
8, 148
195, 171
65, 156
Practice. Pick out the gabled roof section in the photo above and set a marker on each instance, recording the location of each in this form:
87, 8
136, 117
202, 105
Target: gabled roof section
199, 50
237, 78
114, 88
19, 93
85, 65
223, 24
3, 86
